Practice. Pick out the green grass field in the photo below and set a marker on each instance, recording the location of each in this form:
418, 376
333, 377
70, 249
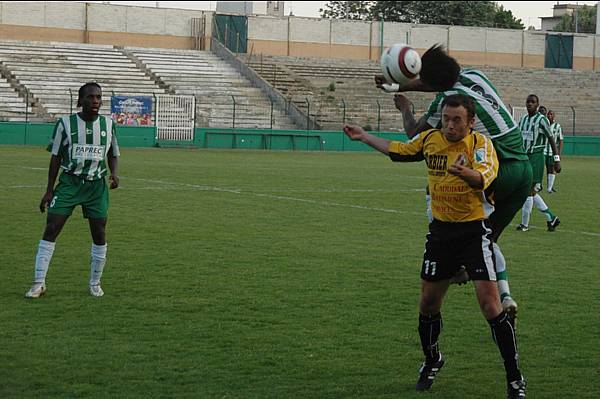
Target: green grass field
248, 274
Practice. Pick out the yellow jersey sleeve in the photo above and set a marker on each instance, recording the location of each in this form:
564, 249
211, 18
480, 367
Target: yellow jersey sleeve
411, 151
484, 159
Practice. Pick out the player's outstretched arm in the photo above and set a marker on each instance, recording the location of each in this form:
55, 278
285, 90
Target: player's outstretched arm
357, 133
411, 125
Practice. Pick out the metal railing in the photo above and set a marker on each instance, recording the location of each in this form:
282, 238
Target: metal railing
329, 112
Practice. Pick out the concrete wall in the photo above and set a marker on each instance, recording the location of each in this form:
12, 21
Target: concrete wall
295, 36
101, 24
312, 37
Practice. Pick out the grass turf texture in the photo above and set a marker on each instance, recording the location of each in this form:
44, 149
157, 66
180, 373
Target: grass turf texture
242, 274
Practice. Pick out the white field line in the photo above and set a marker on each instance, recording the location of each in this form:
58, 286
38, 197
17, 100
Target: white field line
323, 203
164, 185
283, 197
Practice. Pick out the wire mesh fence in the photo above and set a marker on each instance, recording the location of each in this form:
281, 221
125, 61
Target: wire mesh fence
230, 111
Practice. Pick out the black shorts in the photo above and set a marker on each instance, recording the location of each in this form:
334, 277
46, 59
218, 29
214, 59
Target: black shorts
452, 245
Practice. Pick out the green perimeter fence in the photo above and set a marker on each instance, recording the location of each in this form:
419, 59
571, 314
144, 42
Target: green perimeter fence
16, 133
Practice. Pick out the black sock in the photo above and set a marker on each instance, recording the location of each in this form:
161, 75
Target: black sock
503, 333
430, 327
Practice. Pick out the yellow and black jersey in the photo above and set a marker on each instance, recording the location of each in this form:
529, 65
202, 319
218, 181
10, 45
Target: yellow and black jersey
452, 199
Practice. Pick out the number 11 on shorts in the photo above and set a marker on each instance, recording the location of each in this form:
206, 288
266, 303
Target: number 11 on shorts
430, 268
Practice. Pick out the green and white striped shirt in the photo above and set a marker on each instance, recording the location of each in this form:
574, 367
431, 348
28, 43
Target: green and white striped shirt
536, 130
492, 117
83, 146
557, 135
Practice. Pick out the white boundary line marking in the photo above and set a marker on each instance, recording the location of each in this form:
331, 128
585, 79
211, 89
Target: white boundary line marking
285, 198
324, 203
288, 198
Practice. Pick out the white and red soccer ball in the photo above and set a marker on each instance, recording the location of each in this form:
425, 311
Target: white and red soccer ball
400, 64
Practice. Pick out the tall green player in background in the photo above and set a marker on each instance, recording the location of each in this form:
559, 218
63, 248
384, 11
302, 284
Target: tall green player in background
442, 74
537, 135
82, 146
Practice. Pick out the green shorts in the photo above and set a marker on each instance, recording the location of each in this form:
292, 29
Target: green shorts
550, 164
510, 190
537, 161
71, 191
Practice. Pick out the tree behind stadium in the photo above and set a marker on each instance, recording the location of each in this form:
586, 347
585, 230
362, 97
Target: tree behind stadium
462, 13
582, 22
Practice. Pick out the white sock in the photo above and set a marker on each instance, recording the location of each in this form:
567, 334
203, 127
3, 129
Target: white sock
429, 212
551, 178
42, 260
500, 261
539, 203
97, 263
526, 211
501, 275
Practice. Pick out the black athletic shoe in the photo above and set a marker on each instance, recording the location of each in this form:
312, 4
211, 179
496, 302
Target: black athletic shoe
553, 224
427, 374
522, 227
516, 390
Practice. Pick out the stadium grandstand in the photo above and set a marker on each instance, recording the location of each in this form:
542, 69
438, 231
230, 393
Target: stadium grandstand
327, 86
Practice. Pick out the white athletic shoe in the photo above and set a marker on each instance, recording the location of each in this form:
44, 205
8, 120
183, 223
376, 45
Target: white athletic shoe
96, 291
36, 290
510, 306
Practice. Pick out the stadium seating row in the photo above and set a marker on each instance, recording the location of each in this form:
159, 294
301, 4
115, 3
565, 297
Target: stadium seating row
330, 91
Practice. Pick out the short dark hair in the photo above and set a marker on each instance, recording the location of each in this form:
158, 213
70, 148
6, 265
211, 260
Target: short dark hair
536, 97
439, 71
458, 100
83, 88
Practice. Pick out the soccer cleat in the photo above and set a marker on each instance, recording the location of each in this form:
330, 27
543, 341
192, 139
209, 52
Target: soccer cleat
522, 227
427, 374
96, 291
553, 224
516, 390
461, 277
36, 290
510, 307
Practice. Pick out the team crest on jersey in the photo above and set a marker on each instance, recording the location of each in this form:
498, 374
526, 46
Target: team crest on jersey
480, 155
103, 133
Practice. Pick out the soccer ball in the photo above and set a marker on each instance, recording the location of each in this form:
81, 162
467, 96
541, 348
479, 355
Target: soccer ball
400, 64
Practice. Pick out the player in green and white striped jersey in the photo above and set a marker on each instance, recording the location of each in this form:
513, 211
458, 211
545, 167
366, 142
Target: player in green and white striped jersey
82, 146
557, 135
442, 74
536, 136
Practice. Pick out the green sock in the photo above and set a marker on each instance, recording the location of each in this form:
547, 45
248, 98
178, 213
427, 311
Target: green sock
502, 281
549, 214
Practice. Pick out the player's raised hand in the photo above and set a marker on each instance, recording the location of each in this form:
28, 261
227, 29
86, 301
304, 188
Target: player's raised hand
458, 168
402, 103
379, 81
354, 132
46, 200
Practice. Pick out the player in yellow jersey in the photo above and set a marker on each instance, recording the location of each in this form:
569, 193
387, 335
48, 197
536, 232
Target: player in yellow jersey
461, 165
